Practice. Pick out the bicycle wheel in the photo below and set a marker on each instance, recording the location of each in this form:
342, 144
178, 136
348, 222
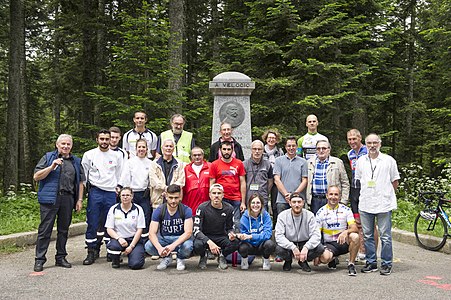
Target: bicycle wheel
430, 230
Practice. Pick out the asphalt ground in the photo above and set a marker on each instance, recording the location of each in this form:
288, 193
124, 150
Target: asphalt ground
417, 273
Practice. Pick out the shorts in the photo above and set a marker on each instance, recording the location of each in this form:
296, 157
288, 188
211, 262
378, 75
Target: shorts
336, 248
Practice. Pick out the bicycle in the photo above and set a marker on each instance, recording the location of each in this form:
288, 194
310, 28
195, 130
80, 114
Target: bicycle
432, 223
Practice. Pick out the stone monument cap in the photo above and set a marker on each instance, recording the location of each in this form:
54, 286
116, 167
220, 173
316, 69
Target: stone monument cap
232, 83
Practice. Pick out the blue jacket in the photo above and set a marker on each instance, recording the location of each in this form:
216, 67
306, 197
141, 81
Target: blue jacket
49, 186
260, 228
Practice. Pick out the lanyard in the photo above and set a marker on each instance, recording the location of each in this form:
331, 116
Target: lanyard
372, 169
295, 227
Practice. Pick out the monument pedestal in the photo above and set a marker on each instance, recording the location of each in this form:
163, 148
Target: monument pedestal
232, 104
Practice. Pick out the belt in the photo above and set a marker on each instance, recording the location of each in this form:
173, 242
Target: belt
319, 195
65, 193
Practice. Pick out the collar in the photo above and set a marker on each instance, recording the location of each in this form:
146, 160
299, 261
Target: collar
326, 161
330, 208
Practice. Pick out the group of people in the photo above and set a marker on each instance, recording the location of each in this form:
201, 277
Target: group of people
158, 195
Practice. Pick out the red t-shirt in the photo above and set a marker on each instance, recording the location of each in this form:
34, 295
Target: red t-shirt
228, 175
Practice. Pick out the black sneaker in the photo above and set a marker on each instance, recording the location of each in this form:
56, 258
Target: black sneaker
202, 262
332, 265
287, 265
385, 270
368, 268
351, 270
304, 266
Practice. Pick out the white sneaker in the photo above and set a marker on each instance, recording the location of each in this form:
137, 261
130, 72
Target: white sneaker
266, 264
360, 257
165, 262
244, 263
180, 264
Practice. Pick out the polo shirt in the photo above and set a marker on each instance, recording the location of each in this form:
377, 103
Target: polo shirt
291, 172
125, 223
131, 136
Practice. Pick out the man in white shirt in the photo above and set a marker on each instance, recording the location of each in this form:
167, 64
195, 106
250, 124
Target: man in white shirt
102, 167
378, 175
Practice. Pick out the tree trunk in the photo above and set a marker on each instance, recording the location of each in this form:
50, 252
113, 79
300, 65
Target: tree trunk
176, 43
16, 93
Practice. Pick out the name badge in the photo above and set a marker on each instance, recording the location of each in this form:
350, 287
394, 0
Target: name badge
254, 187
371, 184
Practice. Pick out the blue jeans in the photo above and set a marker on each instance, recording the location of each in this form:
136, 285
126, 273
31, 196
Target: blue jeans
183, 251
384, 223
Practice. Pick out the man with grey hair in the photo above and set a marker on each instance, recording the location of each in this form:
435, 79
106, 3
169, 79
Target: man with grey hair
325, 170
378, 175
183, 140
60, 178
165, 171
259, 175
197, 180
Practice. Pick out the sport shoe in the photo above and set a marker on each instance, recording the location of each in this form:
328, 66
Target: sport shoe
287, 265
360, 257
210, 255
351, 270
304, 266
202, 263
244, 263
180, 264
332, 265
266, 264
368, 268
385, 270
165, 262
222, 263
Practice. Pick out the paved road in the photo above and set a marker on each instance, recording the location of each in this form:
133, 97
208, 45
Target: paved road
417, 273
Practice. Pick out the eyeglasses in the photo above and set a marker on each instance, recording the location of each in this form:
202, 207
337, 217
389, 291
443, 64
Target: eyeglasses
322, 148
257, 149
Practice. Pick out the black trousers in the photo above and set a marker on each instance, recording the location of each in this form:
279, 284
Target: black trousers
265, 249
227, 246
63, 209
287, 254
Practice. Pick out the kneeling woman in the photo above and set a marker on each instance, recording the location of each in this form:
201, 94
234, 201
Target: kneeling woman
125, 223
256, 232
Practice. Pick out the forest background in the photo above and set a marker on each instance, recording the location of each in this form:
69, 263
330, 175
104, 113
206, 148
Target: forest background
75, 66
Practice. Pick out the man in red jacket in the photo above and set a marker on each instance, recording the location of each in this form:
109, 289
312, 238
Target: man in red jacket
197, 182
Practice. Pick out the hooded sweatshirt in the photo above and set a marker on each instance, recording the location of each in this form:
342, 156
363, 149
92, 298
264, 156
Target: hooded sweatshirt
260, 228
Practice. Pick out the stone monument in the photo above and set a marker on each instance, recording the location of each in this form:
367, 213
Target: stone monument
232, 104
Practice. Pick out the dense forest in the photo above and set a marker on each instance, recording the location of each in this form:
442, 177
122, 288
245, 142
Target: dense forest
74, 66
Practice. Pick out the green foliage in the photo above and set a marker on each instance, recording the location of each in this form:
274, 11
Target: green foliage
414, 180
19, 212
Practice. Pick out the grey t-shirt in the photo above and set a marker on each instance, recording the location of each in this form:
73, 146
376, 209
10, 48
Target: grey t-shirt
291, 172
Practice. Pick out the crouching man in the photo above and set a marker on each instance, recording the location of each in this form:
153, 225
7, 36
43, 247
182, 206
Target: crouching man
213, 228
171, 229
298, 235
339, 230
